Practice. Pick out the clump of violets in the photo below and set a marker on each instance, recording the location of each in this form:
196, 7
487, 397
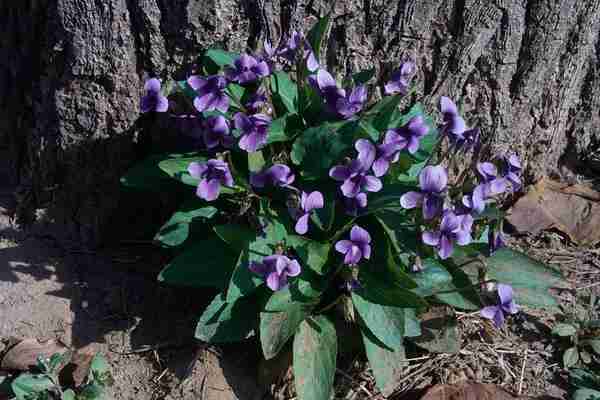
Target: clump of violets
212, 174
277, 175
505, 306
432, 181
357, 248
275, 270
210, 92
153, 100
253, 129
308, 203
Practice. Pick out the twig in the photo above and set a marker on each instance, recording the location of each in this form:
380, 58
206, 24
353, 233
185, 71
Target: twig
588, 286
522, 373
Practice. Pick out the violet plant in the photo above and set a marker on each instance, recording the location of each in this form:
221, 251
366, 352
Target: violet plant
307, 195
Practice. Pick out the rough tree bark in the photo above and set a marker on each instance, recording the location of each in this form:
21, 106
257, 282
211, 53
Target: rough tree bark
71, 74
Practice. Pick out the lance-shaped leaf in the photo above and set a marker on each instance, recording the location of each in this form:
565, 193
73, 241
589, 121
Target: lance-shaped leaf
224, 322
285, 93
387, 323
177, 229
439, 332
387, 365
276, 328
315, 355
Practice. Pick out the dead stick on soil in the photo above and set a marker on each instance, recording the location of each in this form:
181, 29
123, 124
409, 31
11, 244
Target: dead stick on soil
522, 373
588, 286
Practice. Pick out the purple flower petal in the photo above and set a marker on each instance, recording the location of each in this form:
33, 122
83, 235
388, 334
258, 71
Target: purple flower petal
302, 224
431, 238
293, 268
274, 281
366, 153
152, 86
313, 201
350, 188
339, 173
505, 293
208, 189
447, 106
380, 167
259, 268
446, 247
489, 312
312, 64
325, 80
196, 170
433, 179
411, 200
432, 206
372, 184
196, 82
353, 256
205, 102
343, 246
358, 94
359, 235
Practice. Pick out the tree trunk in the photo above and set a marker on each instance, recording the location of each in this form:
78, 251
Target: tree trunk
72, 71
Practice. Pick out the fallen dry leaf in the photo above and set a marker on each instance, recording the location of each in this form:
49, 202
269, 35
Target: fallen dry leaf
79, 367
572, 209
468, 391
23, 355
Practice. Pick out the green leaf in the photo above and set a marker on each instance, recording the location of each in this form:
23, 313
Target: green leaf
282, 300
385, 322
91, 391
319, 148
529, 278
285, 93
564, 330
387, 365
387, 201
586, 394
26, 385
204, 263
583, 378
315, 355
146, 175
177, 229
214, 59
385, 111
364, 76
177, 168
316, 34
370, 130
314, 255
570, 357
68, 395
276, 328
594, 344
224, 322
439, 332
256, 161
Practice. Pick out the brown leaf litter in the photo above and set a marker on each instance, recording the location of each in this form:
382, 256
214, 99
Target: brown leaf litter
571, 209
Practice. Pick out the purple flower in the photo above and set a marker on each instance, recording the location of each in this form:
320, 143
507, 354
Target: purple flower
433, 181
355, 205
454, 126
153, 100
275, 270
256, 102
354, 175
247, 69
210, 91
357, 247
212, 175
505, 305
453, 228
512, 170
336, 99
254, 130
408, 137
292, 46
216, 132
400, 79
308, 202
276, 175
490, 186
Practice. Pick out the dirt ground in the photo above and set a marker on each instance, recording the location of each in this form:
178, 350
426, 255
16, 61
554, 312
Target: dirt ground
110, 298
